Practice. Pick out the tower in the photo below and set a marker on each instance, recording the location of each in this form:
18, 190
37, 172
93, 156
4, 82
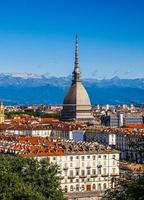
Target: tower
76, 104
1, 113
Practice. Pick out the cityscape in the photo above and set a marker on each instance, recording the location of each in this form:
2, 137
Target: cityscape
57, 141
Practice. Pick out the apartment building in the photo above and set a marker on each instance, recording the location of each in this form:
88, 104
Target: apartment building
128, 141
85, 166
121, 119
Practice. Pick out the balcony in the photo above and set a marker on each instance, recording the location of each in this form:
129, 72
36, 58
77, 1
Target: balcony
94, 175
114, 174
77, 167
83, 176
104, 175
99, 166
65, 168
88, 166
71, 177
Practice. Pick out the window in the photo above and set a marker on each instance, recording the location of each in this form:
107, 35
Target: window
104, 156
82, 164
65, 172
94, 157
71, 180
88, 172
99, 156
77, 172
93, 171
71, 164
71, 188
82, 172
65, 189
113, 156
77, 187
77, 157
71, 172
104, 186
83, 187
94, 187
77, 180
82, 157
99, 170
88, 157
54, 158
71, 158
99, 186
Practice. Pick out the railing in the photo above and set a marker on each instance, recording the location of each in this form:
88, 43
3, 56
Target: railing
65, 168
99, 166
71, 177
94, 175
104, 175
114, 174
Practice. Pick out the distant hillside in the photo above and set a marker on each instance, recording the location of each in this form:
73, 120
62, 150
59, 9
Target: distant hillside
35, 89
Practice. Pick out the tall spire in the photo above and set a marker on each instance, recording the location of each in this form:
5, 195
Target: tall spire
76, 71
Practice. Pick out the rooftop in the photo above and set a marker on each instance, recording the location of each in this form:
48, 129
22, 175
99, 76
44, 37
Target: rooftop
38, 146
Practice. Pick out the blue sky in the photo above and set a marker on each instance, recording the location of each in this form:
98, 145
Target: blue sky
37, 36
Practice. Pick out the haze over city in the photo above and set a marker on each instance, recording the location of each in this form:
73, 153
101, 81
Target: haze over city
38, 37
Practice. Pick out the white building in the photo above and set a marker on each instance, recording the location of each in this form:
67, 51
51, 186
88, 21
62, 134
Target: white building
42, 131
85, 167
87, 172
128, 142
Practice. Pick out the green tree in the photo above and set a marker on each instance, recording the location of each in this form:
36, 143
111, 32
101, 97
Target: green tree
131, 189
28, 179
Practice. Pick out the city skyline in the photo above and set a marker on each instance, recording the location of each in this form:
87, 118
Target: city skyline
38, 37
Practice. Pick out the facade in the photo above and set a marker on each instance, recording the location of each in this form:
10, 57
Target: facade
120, 119
129, 142
44, 131
84, 166
1, 113
76, 105
87, 172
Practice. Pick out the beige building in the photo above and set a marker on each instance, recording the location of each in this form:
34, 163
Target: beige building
76, 105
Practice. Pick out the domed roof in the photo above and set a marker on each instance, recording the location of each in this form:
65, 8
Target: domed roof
77, 95
76, 105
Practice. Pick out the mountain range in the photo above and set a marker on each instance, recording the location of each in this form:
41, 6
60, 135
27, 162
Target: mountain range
24, 88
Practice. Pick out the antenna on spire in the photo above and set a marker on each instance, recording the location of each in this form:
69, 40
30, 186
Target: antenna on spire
76, 72
76, 51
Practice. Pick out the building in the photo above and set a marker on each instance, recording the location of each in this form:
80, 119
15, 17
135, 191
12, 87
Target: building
85, 166
129, 141
61, 130
2, 119
76, 105
120, 119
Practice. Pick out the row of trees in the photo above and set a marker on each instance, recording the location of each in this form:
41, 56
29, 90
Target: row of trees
28, 179
32, 113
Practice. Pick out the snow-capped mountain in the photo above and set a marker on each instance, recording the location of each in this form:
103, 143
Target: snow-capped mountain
31, 88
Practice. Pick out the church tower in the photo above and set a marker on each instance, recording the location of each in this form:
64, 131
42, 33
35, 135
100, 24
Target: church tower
76, 105
1, 113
